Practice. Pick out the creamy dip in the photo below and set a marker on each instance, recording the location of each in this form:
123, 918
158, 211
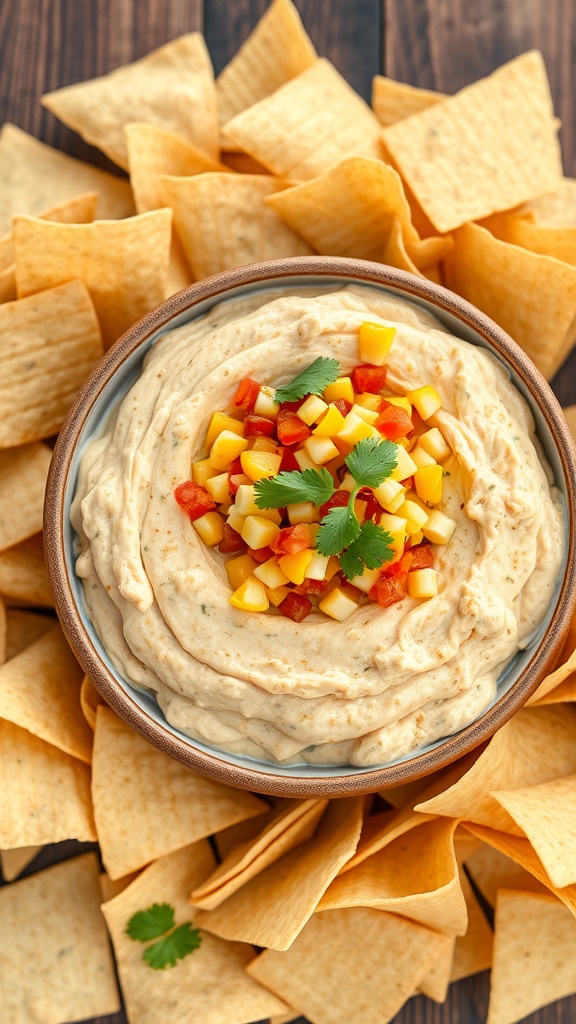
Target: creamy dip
385, 681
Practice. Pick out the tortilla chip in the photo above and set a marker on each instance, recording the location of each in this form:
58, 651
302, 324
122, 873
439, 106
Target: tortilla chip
223, 222
113, 887
556, 209
519, 229
307, 125
23, 577
347, 963
45, 793
153, 152
350, 209
13, 862
35, 178
435, 983
291, 825
546, 814
24, 628
276, 51
243, 163
90, 699
272, 909
40, 692
560, 686
534, 961
211, 984
122, 263
227, 838
23, 473
172, 87
472, 951
550, 736
8, 284
128, 772
491, 870
490, 147
50, 343
79, 210
56, 962
393, 101
532, 297
394, 253
3, 632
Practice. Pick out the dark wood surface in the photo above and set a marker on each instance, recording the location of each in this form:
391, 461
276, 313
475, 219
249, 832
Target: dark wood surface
438, 44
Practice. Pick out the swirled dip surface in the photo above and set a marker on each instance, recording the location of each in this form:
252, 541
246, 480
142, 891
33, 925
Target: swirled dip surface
383, 682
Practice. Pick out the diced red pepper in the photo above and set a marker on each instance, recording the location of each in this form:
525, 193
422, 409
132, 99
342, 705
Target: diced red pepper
291, 429
254, 424
372, 506
401, 567
422, 557
231, 540
338, 500
389, 589
368, 378
393, 422
288, 463
343, 405
292, 406
246, 394
295, 606
313, 587
234, 470
194, 499
292, 539
261, 554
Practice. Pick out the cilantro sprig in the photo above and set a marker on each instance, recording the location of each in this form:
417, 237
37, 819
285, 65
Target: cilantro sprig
312, 381
290, 488
176, 943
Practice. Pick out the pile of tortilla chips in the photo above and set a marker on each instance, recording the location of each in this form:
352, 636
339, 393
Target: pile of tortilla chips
356, 904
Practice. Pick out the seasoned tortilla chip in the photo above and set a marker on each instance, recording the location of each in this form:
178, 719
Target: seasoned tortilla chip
350, 210
243, 163
490, 147
435, 984
227, 838
277, 50
13, 862
90, 698
534, 961
113, 887
79, 210
56, 962
560, 686
519, 229
3, 632
307, 125
40, 692
211, 983
45, 793
348, 964
23, 473
547, 816
8, 284
272, 909
129, 772
532, 297
35, 178
152, 152
122, 263
491, 870
556, 209
50, 343
394, 253
472, 951
223, 222
393, 101
23, 577
172, 87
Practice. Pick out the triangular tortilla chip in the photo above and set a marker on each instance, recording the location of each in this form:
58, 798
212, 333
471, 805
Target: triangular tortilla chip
89, 701
155, 151
560, 686
435, 984
472, 951
23, 473
307, 125
547, 816
3, 632
393, 101
122, 263
211, 984
172, 87
23, 577
127, 771
79, 210
519, 229
556, 209
110, 887
491, 870
13, 862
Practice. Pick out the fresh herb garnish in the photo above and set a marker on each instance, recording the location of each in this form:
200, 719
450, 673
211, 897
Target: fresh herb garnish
314, 485
151, 923
311, 381
155, 922
370, 550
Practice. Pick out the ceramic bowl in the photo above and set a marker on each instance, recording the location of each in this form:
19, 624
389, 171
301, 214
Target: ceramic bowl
107, 385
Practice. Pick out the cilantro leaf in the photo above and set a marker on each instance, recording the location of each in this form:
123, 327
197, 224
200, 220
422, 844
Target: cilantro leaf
149, 924
370, 550
371, 461
173, 947
314, 485
311, 381
338, 529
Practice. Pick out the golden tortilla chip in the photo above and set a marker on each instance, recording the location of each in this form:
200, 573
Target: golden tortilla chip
40, 692
56, 962
23, 473
291, 825
45, 793
393, 101
128, 772
556, 209
560, 686
35, 178
348, 965
435, 984
272, 909
122, 263
547, 816
90, 699
243, 163
550, 736
13, 862
8, 284
490, 147
532, 297
472, 951
211, 983
394, 253
50, 343
534, 963
519, 229
3, 632
79, 210
113, 887
276, 51
153, 152
307, 125
23, 577
492, 870
350, 209
172, 87
226, 839
223, 222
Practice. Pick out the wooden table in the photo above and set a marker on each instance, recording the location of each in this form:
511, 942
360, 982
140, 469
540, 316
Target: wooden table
437, 44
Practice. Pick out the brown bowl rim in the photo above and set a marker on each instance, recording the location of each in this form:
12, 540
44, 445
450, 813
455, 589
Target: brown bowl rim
211, 764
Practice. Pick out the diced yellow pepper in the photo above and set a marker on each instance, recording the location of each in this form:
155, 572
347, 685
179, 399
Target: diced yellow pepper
277, 594
415, 516
396, 527
390, 494
400, 402
202, 471
333, 567
304, 460
365, 413
235, 519
259, 443
341, 388
209, 526
294, 566
317, 566
404, 465
369, 401
226, 448
259, 532
428, 483
374, 341
265, 404
320, 449
271, 574
245, 505
338, 604
355, 429
422, 583
258, 465
218, 487
250, 596
239, 569
367, 580
425, 400
311, 410
439, 528
330, 424
421, 458
434, 442
221, 421
303, 512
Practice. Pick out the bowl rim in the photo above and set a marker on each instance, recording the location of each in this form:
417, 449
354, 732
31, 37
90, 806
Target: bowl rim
251, 778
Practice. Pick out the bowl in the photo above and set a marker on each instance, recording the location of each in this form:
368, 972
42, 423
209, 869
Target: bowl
115, 374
